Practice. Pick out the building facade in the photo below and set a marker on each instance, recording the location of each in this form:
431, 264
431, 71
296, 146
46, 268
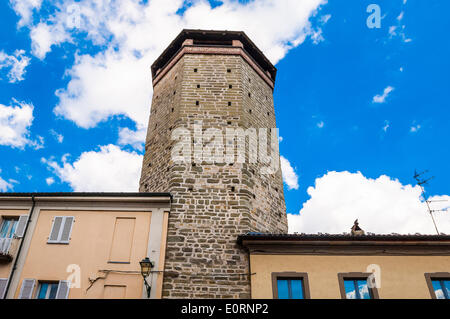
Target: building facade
211, 80
94, 241
349, 267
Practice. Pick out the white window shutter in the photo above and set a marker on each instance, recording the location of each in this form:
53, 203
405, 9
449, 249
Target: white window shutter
63, 289
21, 225
66, 230
26, 291
56, 227
3, 284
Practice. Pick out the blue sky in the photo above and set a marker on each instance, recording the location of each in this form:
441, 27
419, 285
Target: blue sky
358, 109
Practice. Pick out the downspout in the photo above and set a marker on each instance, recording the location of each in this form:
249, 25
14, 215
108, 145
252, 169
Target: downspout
20, 247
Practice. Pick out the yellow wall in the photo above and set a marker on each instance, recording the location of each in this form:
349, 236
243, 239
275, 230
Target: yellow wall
401, 276
5, 267
90, 248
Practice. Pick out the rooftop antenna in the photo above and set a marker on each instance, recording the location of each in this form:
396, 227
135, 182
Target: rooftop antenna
421, 181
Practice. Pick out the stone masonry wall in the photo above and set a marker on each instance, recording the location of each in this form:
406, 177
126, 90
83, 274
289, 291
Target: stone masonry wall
212, 203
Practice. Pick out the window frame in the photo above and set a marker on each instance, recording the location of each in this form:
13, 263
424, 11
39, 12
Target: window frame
435, 276
356, 276
291, 275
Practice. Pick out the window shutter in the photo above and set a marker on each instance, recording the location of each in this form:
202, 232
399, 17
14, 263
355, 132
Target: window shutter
67, 229
26, 291
56, 227
63, 289
3, 284
21, 225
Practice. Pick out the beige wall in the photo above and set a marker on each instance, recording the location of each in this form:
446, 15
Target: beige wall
5, 267
90, 247
401, 276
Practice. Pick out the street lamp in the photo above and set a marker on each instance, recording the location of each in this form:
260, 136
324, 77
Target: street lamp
146, 266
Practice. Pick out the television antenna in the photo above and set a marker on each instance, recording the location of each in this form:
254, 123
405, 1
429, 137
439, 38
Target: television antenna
421, 181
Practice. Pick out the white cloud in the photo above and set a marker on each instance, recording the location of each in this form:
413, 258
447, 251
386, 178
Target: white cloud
109, 169
133, 138
57, 136
137, 32
382, 98
290, 178
4, 185
43, 36
324, 19
49, 180
382, 205
15, 122
316, 33
399, 29
15, 65
415, 128
24, 9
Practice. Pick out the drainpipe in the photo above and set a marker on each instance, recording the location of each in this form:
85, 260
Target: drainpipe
20, 247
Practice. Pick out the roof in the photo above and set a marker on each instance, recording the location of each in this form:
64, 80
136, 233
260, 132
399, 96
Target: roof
87, 197
346, 244
142, 195
265, 237
213, 38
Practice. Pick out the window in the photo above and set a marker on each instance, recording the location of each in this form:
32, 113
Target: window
290, 285
122, 241
356, 289
441, 288
47, 290
61, 230
439, 285
114, 292
8, 227
357, 286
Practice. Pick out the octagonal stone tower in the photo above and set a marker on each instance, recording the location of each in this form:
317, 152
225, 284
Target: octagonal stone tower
218, 79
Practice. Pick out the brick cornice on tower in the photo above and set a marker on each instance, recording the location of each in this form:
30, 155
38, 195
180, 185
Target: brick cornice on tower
214, 42
235, 50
